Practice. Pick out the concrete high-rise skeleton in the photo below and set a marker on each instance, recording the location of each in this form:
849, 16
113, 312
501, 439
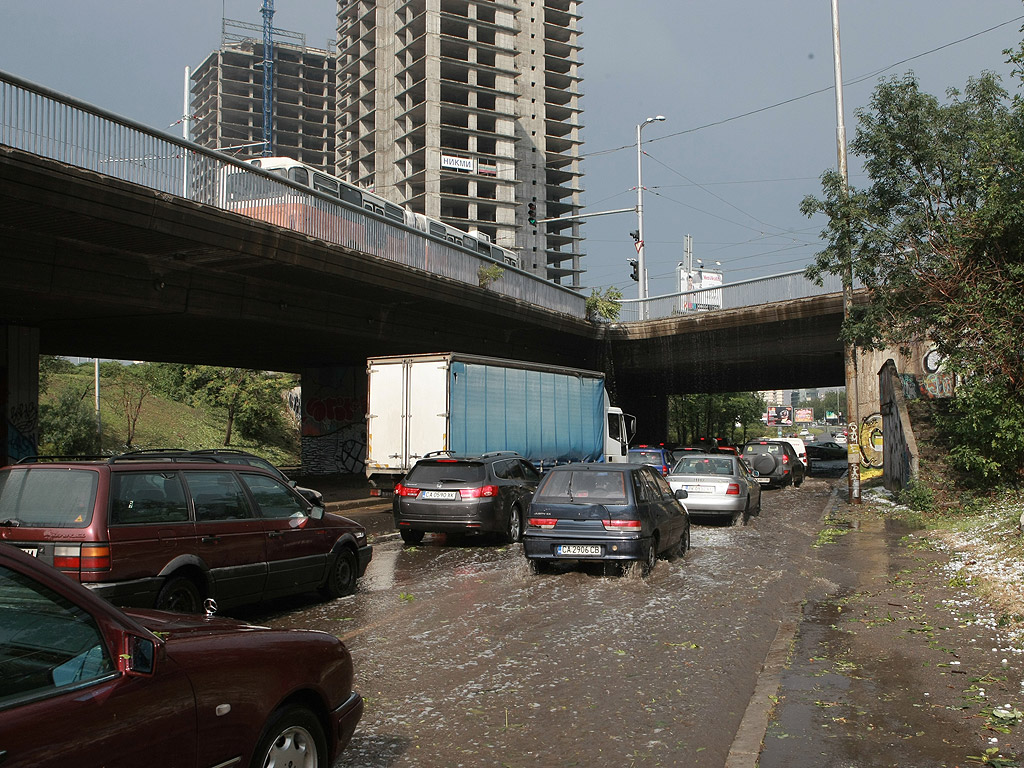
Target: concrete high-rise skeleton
468, 111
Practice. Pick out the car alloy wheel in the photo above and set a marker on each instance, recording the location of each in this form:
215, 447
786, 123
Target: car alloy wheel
515, 525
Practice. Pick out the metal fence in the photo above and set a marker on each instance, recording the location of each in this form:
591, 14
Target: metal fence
43, 122
745, 293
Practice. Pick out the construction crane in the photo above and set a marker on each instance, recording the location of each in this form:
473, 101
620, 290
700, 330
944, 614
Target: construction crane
268, 77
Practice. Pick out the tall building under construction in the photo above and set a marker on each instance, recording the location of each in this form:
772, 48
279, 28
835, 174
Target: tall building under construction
467, 111
227, 96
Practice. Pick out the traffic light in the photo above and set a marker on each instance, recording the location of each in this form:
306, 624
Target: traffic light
635, 274
531, 213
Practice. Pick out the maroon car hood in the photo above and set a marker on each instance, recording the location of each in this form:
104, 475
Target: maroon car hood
165, 624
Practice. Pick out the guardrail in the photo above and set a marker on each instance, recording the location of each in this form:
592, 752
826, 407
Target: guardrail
745, 293
41, 121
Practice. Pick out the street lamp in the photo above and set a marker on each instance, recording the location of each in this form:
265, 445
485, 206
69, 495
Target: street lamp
641, 265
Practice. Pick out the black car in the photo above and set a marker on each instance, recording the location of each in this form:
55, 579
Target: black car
444, 493
613, 513
773, 463
828, 451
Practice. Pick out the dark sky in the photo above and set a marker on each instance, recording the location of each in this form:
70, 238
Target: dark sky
734, 185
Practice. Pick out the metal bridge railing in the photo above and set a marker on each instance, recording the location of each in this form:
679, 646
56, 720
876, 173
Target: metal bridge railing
745, 293
46, 123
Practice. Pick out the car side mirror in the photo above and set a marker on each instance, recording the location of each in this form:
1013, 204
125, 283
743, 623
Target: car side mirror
682, 494
317, 513
139, 657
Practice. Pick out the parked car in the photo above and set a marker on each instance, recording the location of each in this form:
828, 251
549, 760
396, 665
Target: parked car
228, 456
83, 683
827, 451
717, 486
613, 513
465, 494
656, 455
773, 463
170, 533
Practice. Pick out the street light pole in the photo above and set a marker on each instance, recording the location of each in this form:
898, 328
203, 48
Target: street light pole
640, 262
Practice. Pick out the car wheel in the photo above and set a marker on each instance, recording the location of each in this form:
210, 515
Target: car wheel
652, 557
292, 737
341, 580
679, 550
411, 537
181, 595
515, 525
540, 566
796, 483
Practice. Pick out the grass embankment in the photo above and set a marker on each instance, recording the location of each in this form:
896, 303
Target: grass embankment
165, 423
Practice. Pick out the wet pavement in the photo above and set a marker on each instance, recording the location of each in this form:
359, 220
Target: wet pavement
816, 631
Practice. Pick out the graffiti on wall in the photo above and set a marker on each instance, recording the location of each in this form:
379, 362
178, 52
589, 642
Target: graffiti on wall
333, 420
22, 431
933, 384
870, 440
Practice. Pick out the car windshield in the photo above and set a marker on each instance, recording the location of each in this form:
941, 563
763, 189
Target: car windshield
583, 487
447, 472
47, 497
703, 465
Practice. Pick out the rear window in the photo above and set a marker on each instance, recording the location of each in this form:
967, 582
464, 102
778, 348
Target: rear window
703, 465
771, 448
48, 497
447, 472
589, 487
646, 457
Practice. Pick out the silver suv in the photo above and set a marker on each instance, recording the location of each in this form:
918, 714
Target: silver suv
773, 463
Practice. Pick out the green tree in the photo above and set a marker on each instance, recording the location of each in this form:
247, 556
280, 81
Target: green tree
693, 418
67, 427
251, 399
937, 238
132, 385
606, 304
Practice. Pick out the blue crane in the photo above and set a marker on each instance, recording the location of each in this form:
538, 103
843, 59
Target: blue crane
268, 76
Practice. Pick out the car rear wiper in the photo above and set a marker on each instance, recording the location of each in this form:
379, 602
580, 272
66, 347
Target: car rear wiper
11, 522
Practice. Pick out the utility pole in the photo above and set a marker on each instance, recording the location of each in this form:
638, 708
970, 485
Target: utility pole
849, 351
640, 255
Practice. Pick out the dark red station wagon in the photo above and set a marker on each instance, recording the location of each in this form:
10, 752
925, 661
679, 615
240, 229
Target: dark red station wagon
170, 534
85, 684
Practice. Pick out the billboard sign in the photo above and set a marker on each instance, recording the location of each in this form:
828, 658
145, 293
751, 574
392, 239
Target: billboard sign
780, 415
804, 416
458, 163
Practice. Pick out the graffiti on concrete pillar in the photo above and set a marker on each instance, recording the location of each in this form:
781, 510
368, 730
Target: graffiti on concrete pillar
333, 405
870, 440
22, 431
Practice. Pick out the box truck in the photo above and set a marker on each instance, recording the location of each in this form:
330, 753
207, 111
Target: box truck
470, 405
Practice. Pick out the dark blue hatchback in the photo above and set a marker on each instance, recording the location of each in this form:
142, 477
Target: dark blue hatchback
611, 513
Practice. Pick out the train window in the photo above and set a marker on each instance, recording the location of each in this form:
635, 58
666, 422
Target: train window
326, 184
300, 175
437, 230
394, 212
351, 195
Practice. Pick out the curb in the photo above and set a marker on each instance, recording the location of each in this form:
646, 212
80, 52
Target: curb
746, 745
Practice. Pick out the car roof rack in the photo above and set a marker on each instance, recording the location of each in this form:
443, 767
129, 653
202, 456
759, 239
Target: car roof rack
492, 454
41, 459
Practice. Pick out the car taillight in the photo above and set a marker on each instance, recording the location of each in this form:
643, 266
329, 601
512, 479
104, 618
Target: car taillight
541, 522
485, 491
664, 469
82, 557
733, 489
629, 526
403, 490
785, 459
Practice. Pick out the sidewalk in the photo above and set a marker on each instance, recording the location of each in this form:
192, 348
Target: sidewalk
892, 664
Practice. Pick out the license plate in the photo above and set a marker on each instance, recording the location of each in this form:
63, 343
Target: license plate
764, 480
34, 552
443, 495
578, 549
699, 488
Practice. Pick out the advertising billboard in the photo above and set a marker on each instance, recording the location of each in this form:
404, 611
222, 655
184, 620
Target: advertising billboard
780, 415
804, 416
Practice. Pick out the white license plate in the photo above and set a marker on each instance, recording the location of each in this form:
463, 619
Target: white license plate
34, 552
699, 488
763, 480
578, 549
443, 495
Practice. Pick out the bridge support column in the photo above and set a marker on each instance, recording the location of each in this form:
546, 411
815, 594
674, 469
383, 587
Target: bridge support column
19, 388
333, 417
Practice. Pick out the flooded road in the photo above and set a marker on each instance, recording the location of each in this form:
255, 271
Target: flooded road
466, 658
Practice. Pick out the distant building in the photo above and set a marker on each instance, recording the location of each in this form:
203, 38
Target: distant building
227, 96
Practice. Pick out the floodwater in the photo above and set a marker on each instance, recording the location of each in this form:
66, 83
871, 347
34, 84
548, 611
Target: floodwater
466, 658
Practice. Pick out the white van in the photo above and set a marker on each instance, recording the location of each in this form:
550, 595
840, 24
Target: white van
798, 446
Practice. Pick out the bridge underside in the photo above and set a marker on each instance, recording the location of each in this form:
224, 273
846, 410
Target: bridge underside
104, 268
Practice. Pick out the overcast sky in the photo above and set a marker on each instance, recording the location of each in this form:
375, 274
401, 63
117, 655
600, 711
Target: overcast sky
733, 183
